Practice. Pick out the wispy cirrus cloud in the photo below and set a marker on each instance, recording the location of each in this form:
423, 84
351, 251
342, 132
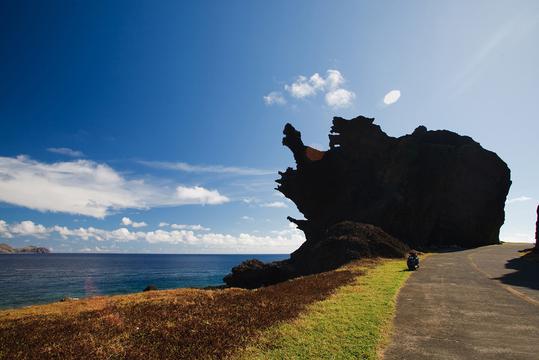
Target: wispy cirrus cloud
66, 151
274, 204
519, 199
216, 169
88, 188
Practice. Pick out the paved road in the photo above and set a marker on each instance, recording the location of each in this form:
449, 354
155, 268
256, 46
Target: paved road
474, 304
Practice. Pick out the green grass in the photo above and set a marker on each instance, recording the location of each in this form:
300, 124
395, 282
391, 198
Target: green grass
354, 323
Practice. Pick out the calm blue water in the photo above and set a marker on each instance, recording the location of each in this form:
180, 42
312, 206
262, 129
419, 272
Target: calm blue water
27, 279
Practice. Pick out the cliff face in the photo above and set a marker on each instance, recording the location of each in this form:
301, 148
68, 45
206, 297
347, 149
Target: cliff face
373, 195
429, 188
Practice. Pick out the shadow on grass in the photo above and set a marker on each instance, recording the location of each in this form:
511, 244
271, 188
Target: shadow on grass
527, 271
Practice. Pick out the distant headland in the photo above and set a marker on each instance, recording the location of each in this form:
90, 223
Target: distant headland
7, 249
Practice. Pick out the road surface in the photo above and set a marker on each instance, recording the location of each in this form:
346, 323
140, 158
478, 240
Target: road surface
474, 304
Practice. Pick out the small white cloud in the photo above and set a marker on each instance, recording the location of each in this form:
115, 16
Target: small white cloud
163, 224
4, 230
28, 228
301, 88
274, 98
274, 204
392, 97
189, 227
199, 195
340, 98
519, 199
128, 222
247, 218
66, 152
334, 79
317, 82
332, 86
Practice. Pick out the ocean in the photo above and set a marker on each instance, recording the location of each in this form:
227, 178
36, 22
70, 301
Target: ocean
29, 279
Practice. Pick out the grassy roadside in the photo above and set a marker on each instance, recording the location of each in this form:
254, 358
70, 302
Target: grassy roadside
353, 323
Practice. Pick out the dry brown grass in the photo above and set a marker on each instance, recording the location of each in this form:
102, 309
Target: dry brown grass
171, 324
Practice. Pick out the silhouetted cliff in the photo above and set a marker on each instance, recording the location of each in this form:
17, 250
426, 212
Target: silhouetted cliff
427, 189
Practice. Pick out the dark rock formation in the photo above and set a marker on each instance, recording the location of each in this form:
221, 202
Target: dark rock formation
429, 188
33, 250
150, 287
342, 243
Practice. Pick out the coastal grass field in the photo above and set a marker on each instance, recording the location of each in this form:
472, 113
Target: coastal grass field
353, 323
345, 313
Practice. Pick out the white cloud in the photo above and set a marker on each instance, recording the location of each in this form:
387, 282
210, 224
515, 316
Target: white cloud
28, 228
334, 79
274, 98
247, 218
87, 188
301, 88
274, 204
335, 95
218, 169
279, 241
519, 199
163, 224
128, 222
392, 97
189, 227
4, 230
66, 152
199, 195
340, 98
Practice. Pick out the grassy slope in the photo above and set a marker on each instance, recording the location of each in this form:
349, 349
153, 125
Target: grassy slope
351, 324
344, 313
168, 324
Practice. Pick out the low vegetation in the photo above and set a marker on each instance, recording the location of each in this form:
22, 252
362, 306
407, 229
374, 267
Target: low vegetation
353, 323
343, 313
171, 324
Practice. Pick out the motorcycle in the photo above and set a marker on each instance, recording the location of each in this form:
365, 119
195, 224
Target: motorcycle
413, 262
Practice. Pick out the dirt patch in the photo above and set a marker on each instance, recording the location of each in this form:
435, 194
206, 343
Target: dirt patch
178, 324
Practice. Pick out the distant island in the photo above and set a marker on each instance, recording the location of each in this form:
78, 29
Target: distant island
7, 249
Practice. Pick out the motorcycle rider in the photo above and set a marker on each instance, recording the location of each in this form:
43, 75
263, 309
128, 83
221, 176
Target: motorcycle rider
413, 261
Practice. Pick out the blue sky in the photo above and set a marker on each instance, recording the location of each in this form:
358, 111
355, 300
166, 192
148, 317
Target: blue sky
116, 118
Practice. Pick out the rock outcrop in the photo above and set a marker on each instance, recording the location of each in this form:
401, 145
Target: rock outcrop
428, 189
7, 249
342, 243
